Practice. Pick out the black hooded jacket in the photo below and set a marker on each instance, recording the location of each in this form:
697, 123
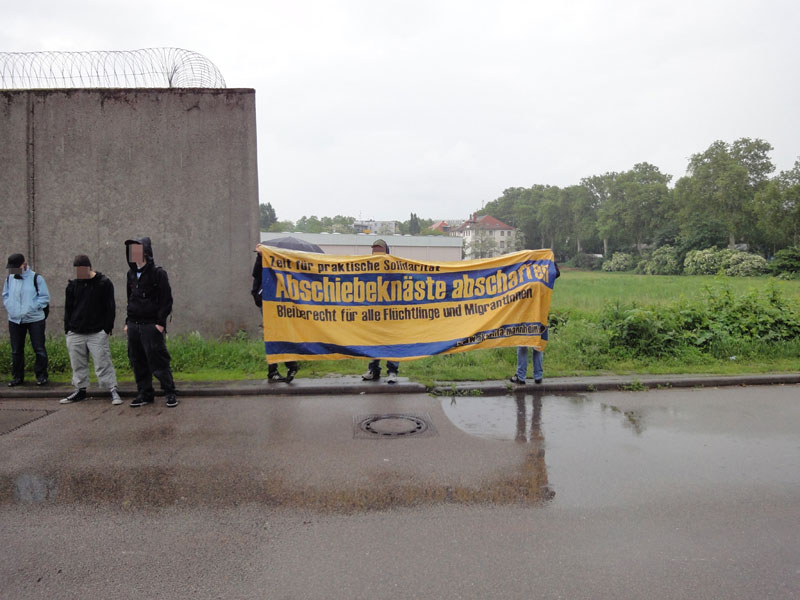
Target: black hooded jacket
89, 306
149, 296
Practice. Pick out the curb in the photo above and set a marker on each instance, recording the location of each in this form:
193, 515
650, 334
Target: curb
354, 385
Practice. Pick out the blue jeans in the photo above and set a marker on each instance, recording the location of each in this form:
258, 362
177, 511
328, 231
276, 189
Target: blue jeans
17, 333
522, 363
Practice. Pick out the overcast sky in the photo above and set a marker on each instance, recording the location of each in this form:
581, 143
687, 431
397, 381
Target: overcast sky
376, 108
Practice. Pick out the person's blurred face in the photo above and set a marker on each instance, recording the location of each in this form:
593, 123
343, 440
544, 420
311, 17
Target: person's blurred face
136, 254
17, 271
83, 272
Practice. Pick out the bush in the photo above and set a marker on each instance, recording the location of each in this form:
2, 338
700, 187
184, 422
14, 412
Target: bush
639, 331
664, 261
730, 262
702, 262
743, 264
786, 261
710, 261
718, 325
586, 261
620, 261
580, 342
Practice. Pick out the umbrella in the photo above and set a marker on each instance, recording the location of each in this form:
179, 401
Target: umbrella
293, 243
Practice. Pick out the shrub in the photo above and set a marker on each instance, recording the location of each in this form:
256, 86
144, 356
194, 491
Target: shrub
586, 261
702, 262
580, 342
640, 331
743, 264
620, 261
663, 262
710, 261
786, 261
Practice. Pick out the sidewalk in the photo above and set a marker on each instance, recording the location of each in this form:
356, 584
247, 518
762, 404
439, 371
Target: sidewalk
352, 384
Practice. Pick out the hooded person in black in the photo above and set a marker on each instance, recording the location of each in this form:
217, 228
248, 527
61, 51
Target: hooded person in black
272, 368
149, 305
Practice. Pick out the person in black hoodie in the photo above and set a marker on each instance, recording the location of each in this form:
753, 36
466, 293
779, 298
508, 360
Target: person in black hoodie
89, 312
149, 305
272, 368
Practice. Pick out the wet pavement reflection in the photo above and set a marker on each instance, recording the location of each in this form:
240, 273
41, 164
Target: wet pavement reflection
320, 453
614, 448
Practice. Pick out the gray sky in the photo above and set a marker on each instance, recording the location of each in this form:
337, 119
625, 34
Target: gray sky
380, 108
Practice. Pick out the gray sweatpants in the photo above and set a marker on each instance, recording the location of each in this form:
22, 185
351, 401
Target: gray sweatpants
79, 346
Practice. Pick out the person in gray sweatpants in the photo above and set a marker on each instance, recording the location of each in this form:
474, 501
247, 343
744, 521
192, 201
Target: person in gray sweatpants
89, 313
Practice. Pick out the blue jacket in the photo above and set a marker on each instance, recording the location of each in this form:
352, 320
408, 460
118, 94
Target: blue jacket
22, 302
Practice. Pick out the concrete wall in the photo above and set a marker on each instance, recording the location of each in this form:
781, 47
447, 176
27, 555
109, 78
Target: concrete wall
83, 170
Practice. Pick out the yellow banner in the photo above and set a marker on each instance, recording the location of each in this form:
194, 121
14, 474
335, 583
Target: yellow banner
321, 307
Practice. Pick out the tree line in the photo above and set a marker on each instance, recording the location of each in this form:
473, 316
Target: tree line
268, 221
727, 198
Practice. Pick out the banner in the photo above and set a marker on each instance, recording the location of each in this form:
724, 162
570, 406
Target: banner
322, 307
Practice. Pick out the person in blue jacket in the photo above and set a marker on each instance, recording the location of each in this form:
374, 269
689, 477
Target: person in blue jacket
25, 296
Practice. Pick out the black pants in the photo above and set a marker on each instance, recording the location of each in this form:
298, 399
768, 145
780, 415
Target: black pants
391, 366
147, 351
17, 334
273, 367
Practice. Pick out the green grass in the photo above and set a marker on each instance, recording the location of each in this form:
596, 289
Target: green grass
578, 347
591, 291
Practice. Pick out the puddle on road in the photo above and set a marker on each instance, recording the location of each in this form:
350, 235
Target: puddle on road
602, 449
597, 454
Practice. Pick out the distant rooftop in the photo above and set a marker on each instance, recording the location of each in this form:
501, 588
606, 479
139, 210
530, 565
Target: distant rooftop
366, 239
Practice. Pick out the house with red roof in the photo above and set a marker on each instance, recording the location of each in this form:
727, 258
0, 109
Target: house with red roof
485, 236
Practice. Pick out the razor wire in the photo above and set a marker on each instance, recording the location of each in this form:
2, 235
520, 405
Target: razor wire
146, 68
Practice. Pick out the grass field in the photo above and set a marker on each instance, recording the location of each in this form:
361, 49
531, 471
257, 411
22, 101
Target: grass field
591, 291
580, 348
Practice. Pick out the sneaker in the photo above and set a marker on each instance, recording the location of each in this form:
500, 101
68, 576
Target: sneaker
42, 380
172, 401
290, 375
141, 401
391, 377
537, 380
115, 399
371, 376
76, 396
517, 380
15, 382
274, 376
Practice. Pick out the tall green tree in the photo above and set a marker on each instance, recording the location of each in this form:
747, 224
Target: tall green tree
777, 205
413, 224
482, 245
606, 193
267, 216
722, 183
645, 201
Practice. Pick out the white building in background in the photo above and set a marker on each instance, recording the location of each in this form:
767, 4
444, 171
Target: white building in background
375, 227
486, 232
433, 248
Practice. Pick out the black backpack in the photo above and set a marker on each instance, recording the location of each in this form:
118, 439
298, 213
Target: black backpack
36, 287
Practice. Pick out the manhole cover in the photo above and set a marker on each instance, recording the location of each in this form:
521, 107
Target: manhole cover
392, 426
12, 419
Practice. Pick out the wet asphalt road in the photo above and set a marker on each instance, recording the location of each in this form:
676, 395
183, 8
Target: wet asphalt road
660, 494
